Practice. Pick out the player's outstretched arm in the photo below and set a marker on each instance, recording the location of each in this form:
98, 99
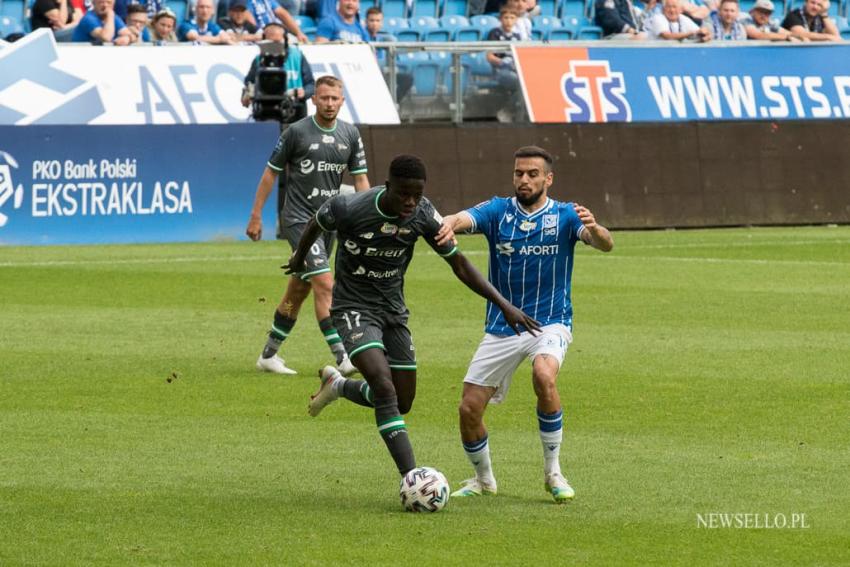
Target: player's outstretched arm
594, 234
264, 189
469, 275
452, 224
296, 261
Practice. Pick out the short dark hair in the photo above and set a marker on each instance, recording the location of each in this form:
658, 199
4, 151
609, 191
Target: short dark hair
374, 10
136, 9
535, 151
329, 80
407, 167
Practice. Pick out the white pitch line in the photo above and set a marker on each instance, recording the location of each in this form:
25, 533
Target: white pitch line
742, 244
753, 261
130, 261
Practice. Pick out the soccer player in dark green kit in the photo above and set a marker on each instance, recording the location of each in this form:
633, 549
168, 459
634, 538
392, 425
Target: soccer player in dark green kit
377, 230
313, 153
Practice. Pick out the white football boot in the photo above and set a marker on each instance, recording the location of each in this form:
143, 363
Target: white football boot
558, 487
327, 393
475, 487
274, 364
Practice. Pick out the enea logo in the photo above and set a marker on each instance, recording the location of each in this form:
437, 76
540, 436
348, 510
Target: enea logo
594, 93
8, 192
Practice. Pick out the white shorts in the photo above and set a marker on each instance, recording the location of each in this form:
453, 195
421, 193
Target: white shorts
498, 357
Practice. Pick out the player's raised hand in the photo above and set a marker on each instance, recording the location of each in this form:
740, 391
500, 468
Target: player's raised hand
293, 266
516, 318
585, 216
255, 229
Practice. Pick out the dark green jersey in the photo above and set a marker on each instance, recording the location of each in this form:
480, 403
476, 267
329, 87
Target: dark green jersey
315, 159
375, 249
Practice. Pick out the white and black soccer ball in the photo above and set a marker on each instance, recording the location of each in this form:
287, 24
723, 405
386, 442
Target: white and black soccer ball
424, 489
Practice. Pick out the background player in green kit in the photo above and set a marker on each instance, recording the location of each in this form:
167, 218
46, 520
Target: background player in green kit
377, 230
315, 151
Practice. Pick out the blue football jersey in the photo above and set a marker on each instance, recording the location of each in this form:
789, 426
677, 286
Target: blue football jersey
531, 258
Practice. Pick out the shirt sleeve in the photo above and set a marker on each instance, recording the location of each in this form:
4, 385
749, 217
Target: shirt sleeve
687, 25
433, 222
283, 150
483, 215
326, 29
331, 212
357, 157
184, 28
119, 25
574, 225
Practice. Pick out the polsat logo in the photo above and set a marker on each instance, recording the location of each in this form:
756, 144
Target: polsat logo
594, 93
8, 191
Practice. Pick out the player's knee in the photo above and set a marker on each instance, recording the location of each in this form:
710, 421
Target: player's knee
470, 413
382, 387
545, 386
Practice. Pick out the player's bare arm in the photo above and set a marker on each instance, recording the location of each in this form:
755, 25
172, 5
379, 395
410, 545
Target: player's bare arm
594, 234
472, 278
452, 224
264, 189
296, 261
361, 182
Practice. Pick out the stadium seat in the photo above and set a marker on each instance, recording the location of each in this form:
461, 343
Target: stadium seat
437, 36
444, 60
560, 34
304, 21
424, 24
15, 9
424, 8
546, 24
408, 35
455, 8
394, 8
394, 25
180, 9
574, 8
587, 32
426, 75
468, 34
453, 23
537, 35
310, 33
549, 7
9, 25
484, 23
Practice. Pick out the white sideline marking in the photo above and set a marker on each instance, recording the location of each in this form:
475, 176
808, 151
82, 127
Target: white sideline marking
743, 244
130, 261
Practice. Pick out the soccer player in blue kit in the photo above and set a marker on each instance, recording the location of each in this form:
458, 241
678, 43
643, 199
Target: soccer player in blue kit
531, 239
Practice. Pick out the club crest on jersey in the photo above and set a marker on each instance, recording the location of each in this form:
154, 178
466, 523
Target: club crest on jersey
367, 235
307, 166
328, 139
550, 221
314, 146
527, 225
388, 228
402, 231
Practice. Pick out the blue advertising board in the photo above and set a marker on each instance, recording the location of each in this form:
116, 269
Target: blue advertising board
121, 184
682, 82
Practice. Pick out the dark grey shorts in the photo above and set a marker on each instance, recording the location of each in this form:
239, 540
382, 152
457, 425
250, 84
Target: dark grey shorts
318, 257
361, 330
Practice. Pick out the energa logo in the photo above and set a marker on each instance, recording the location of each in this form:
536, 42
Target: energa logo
594, 93
8, 192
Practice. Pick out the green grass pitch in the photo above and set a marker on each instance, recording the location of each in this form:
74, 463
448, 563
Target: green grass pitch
710, 374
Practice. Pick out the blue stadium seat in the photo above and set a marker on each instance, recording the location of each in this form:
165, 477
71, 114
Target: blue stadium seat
560, 34
587, 32
574, 8
9, 25
453, 23
14, 9
444, 60
425, 73
424, 8
424, 24
310, 33
394, 8
546, 24
304, 21
468, 34
537, 35
484, 23
549, 7
180, 9
437, 36
455, 8
408, 35
394, 25
480, 69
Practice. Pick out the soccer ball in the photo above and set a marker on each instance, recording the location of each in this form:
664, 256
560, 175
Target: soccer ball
424, 489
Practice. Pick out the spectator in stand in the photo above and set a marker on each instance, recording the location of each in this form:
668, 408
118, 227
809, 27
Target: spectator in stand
162, 27
760, 25
699, 12
100, 25
59, 15
374, 24
263, 12
300, 84
504, 70
342, 25
723, 25
619, 19
812, 22
672, 24
153, 7
137, 24
522, 27
237, 24
532, 10
202, 29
